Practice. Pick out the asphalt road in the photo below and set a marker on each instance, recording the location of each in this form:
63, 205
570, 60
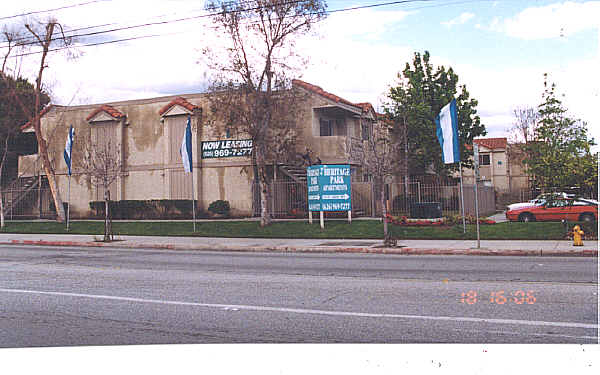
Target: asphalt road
73, 296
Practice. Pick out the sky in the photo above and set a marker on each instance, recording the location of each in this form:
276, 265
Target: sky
499, 49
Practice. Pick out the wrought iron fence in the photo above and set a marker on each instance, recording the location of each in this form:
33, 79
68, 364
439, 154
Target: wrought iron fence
28, 203
289, 199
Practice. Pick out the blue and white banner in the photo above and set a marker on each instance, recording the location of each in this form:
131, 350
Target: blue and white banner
186, 147
69, 148
447, 133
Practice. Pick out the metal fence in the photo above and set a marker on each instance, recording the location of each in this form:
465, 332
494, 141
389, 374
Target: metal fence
28, 203
289, 199
403, 196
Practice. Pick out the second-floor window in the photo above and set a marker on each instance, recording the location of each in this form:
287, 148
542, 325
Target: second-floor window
366, 132
326, 128
331, 127
484, 159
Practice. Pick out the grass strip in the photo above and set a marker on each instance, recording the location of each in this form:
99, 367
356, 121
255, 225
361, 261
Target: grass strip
359, 229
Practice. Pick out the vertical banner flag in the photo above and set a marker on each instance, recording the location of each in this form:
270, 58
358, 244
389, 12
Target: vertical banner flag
447, 133
186, 147
69, 148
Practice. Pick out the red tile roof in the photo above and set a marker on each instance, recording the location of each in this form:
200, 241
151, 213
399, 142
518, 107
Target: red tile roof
323, 93
491, 143
178, 101
105, 108
42, 113
366, 107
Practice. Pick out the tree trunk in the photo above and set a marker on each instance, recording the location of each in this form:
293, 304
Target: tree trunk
58, 203
380, 191
1, 169
42, 146
1, 199
107, 221
263, 185
1, 210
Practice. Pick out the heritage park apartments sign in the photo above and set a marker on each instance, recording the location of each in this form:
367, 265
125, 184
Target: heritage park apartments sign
329, 189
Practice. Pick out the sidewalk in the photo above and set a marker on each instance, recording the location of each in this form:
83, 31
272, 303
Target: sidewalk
407, 247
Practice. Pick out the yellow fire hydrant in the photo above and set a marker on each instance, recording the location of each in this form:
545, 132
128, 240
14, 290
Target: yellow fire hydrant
577, 236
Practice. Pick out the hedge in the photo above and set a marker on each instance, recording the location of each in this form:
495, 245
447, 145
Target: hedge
146, 209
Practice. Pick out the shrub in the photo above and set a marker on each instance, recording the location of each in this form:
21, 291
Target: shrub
220, 207
145, 209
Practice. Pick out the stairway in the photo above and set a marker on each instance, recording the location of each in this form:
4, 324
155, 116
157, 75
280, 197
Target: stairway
23, 187
296, 173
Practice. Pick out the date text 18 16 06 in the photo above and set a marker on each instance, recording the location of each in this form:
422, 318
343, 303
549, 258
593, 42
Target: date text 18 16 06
499, 297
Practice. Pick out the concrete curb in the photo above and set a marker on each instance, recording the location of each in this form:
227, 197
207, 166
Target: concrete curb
318, 249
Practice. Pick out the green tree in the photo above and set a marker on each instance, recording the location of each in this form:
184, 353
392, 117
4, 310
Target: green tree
414, 104
560, 155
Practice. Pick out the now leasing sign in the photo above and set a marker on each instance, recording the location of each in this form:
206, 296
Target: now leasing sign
329, 188
225, 149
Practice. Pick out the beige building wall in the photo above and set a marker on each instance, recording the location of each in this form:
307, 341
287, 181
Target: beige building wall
152, 168
149, 144
505, 173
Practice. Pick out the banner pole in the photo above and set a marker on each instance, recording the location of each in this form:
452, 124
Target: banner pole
193, 200
462, 198
477, 212
69, 202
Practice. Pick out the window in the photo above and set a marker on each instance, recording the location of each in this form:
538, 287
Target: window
326, 128
105, 143
365, 130
484, 159
340, 124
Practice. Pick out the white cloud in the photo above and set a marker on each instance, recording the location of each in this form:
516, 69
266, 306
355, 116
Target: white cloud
354, 58
552, 21
363, 24
460, 20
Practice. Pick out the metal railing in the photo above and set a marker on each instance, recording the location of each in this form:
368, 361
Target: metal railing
289, 199
35, 203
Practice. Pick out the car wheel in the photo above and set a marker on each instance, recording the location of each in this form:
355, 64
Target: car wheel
587, 218
526, 217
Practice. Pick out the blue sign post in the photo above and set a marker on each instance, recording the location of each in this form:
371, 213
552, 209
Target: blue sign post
329, 189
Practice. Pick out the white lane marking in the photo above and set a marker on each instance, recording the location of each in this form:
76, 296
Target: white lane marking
528, 334
309, 311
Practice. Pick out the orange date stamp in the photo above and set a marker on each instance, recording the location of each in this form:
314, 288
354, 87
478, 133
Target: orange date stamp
499, 297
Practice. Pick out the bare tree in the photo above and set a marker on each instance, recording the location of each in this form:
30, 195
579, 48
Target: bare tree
46, 36
382, 161
103, 164
523, 128
522, 133
252, 90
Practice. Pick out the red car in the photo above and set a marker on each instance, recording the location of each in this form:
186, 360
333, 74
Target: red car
556, 210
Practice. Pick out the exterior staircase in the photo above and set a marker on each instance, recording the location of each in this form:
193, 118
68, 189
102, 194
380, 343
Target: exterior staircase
296, 173
19, 189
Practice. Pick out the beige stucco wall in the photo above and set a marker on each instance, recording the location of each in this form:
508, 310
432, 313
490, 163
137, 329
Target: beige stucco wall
505, 174
146, 164
144, 140
330, 149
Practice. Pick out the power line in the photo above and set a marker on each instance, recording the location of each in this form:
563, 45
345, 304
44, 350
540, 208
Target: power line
106, 42
33, 42
210, 15
52, 10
